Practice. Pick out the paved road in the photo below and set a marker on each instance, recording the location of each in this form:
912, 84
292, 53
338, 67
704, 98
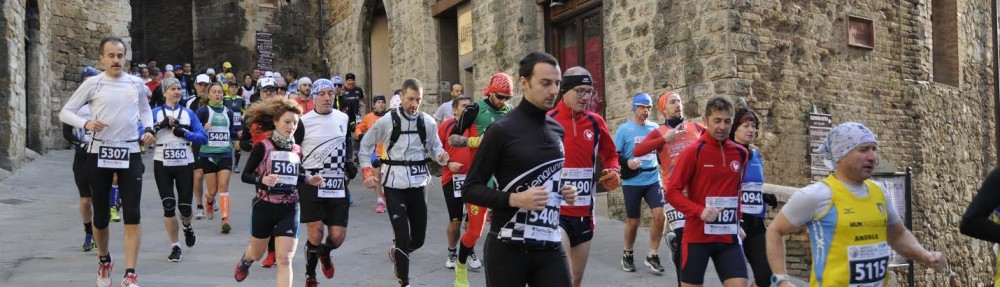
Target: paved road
41, 235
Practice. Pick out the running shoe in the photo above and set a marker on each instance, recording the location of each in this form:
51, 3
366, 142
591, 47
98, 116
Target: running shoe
653, 262
189, 237
628, 262
130, 280
461, 275
209, 211
114, 215
311, 282
326, 263
104, 273
225, 225
474, 262
269, 260
380, 207
200, 214
242, 270
452, 258
175, 254
88, 242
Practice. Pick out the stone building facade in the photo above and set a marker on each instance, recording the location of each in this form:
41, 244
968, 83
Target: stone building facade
48, 44
920, 73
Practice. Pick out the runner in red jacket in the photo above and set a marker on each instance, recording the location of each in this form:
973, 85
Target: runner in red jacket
711, 170
586, 138
452, 178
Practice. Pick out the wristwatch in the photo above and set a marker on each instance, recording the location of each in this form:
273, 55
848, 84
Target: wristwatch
777, 278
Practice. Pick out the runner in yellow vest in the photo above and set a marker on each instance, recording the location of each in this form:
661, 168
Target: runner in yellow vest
852, 225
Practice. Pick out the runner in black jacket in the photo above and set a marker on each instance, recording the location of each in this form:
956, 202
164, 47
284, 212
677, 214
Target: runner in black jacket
524, 152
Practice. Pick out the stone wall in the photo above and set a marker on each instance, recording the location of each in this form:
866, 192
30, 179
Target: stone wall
12, 93
219, 27
162, 31
503, 33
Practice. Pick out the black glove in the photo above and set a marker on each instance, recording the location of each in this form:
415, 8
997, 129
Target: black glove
180, 131
161, 125
351, 170
771, 200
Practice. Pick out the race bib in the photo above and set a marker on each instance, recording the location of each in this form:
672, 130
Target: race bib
113, 155
675, 219
650, 156
333, 185
458, 180
417, 170
583, 180
544, 225
175, 154
237, 119
868, 264
726, 222
218, 137
286, 166
752, 198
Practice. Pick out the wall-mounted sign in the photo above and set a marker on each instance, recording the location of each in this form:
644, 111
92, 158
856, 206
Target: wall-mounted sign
265, 52
819, 127
465, 33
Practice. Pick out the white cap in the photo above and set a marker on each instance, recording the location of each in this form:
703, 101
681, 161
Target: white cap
170, 68
269, 74
305, 80
265, 82
277, 75
202, 79
210, 71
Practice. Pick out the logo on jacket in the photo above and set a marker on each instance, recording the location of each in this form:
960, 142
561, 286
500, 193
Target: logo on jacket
735, 165
589, 134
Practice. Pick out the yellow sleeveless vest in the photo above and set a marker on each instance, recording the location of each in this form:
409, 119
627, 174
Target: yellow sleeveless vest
849, 241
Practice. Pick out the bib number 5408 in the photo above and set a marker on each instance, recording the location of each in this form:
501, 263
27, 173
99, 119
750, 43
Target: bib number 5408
547, 216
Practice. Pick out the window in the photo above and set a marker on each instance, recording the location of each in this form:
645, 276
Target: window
944, 18
578, 40
270, 3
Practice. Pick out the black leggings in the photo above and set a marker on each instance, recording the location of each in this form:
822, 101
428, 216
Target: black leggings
408, 215
130, 186
510, 265
755, 249
81, 175
166, 178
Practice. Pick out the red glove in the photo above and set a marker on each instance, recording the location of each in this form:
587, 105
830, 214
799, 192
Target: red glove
611, 179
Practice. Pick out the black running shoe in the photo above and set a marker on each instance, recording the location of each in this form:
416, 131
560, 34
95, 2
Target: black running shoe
628, 264
189, 237
175, 254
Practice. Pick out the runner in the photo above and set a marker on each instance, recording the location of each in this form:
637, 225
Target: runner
201, 91
404, 175
640, 181
470, 123
981, 219
445, 111
325, 146
176, 128
274, 168
587, 138
852, 223
452, 177
304, 95
523, 152
359, 132
668, 140
237, 105
117, 101
79, 138
217, 156
752, 198
353, 102
249, 87
253, 134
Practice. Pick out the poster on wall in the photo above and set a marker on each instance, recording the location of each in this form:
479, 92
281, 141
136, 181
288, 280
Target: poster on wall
819, 126
897, 189
265, 52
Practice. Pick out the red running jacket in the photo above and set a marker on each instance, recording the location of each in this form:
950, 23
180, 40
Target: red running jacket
461, 155
587, 137
712, 173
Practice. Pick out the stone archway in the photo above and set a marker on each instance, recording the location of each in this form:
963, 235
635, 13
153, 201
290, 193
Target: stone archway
375, 51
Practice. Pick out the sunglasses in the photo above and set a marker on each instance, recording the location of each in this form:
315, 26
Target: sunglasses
503, 97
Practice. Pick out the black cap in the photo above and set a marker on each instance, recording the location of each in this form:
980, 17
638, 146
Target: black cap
379, 98
349, 76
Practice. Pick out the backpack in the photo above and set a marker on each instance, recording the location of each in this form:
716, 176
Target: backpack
397, 130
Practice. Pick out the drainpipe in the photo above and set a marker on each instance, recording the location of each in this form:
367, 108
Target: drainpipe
996, 78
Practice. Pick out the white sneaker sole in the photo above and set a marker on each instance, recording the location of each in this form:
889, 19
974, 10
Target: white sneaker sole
651, 267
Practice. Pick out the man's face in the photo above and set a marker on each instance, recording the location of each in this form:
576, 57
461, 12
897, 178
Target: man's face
144, 73
350, 84
457, 90
201, 88
641, 113
305, 89
411, 100
151, 64
187, 68
113, 58
324, 101
338, 88
673, 107
543, 86
860, 162
173, 94
577, 98
718, 124
380, 106
255, 73
268, 92
498, 100
459, 107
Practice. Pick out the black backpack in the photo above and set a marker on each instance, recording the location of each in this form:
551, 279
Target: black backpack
397, 132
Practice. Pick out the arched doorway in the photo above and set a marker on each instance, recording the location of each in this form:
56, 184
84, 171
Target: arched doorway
376, 51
